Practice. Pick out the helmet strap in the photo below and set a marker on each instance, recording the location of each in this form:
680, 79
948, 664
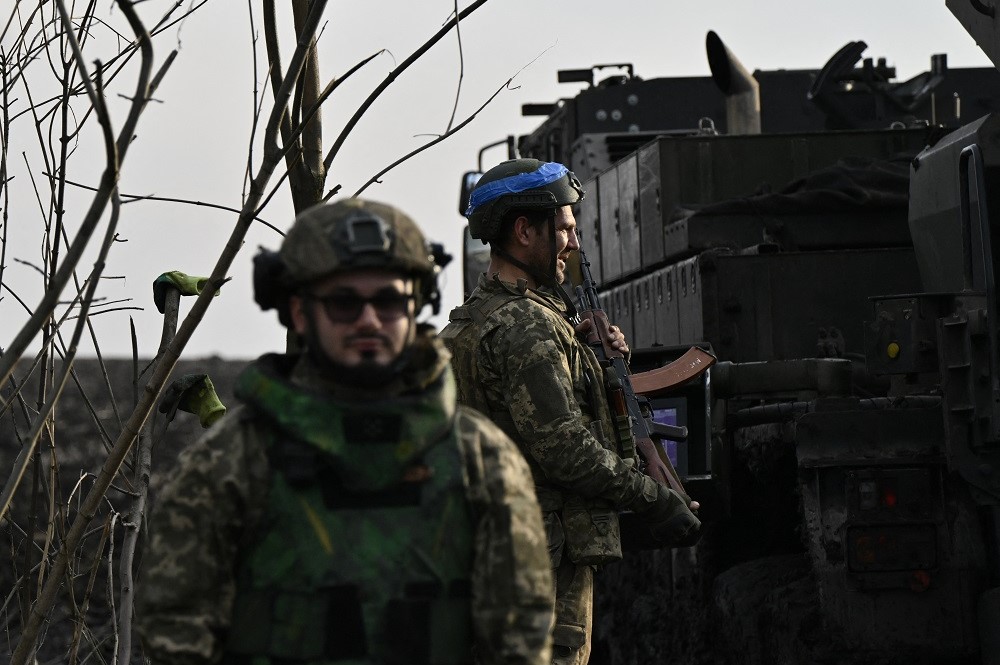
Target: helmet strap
552, 245
553, 257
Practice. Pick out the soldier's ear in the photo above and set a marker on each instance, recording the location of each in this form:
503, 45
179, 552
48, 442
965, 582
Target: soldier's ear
523, 231
300, 322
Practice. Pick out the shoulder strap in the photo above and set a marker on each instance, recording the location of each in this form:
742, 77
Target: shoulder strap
460, 313
480, 309
473, 466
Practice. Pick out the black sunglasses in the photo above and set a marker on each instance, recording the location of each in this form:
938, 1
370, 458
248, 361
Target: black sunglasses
346, 306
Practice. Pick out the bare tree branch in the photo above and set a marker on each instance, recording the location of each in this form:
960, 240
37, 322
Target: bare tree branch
349, 127
138, 198
44, 412
312, 128
461, 70
91, 579
141, 483
115, 152
375, 178
97, 207
292, 149
43, 311
257, 100
170, 355
327, 91
35, 617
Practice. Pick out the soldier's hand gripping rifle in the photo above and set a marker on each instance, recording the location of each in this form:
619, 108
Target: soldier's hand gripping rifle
633, 415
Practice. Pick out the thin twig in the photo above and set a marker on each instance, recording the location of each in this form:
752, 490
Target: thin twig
134, 198
461, 70
349, 127
291, 150
257, 99
111, 583
169, 359
330, 88
4, 145
308, 95
78, 625
49, 405
375, 178
92, 218
141, 483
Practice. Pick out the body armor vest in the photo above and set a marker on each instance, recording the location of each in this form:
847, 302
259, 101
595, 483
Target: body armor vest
366, 546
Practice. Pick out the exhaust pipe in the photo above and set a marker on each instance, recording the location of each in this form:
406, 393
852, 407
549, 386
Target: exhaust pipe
740, 87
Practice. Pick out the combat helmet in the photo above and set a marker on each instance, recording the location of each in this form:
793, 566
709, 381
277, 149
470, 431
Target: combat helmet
519, 184
351, 234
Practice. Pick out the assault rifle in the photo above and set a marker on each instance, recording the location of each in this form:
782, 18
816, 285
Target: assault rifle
629, 405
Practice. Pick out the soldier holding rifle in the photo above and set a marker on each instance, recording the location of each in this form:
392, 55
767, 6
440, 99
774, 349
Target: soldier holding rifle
519, 359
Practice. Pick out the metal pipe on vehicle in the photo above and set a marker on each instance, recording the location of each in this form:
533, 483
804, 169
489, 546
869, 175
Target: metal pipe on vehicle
740, 87
783, 411
829, 377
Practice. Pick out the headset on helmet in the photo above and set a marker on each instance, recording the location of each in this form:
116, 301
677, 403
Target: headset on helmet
348, 235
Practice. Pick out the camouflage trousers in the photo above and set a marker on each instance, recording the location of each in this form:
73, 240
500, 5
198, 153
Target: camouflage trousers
574, 613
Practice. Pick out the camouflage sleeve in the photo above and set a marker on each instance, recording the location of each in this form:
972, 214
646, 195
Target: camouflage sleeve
512, 592
533, 356
186, 586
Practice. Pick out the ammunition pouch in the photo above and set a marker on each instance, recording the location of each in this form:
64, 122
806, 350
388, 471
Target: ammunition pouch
555, 536
583, 530
425, 626
328, 625
324, 624
592, 531
621, 423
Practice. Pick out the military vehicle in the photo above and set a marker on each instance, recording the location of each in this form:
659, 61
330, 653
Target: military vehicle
827, 235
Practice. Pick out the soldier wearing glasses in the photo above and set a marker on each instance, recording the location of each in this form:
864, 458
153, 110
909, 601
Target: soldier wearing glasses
348, 510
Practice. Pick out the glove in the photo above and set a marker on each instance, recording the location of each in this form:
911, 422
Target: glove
669, 519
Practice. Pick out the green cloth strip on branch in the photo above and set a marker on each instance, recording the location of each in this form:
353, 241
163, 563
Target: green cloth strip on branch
188, 285
193, 393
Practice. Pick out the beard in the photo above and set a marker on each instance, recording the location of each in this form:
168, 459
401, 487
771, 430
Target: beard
561, 272
540, 263
367, 374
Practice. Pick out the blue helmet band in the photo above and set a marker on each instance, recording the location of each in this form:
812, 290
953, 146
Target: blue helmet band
545, 174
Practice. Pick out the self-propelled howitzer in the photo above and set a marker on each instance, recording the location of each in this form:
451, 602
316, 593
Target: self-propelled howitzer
832, 245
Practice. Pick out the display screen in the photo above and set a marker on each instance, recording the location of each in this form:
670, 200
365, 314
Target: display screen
667, 416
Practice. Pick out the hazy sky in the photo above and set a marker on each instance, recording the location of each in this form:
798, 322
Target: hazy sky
192, 143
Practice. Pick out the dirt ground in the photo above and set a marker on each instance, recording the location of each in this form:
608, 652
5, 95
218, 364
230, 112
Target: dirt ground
78, 449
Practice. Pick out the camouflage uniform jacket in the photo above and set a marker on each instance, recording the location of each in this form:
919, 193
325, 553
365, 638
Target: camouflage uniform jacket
212, 514
518, 360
